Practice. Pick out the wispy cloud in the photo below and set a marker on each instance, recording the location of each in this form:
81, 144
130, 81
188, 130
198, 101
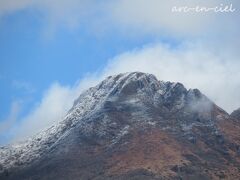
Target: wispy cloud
53, 106
11, 6
157, 16
55, 103
65, 13
136, 16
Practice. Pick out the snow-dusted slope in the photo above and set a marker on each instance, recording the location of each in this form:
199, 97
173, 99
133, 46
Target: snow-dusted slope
87, 103
135, 88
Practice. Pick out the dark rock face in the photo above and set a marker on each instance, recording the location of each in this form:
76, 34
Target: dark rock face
236, 114
132, 126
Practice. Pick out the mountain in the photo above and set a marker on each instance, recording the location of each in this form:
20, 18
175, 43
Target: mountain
132, 126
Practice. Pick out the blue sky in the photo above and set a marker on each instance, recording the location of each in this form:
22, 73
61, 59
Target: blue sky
27, 56
64, 42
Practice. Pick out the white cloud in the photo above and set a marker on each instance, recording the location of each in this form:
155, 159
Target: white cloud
53, 106
218, 31
54, 13
138, 18
9, 6
55, 103
156, 16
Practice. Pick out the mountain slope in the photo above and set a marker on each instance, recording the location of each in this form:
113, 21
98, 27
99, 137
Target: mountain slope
132, 126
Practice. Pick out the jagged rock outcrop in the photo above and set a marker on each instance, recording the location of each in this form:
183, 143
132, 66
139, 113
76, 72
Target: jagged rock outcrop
236, 114
132, 126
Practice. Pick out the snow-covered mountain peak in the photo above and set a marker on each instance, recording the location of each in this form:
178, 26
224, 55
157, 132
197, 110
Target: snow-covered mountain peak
135, 92
121, 83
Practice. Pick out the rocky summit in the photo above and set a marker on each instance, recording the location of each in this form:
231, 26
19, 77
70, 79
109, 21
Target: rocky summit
132, 126
236, 114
